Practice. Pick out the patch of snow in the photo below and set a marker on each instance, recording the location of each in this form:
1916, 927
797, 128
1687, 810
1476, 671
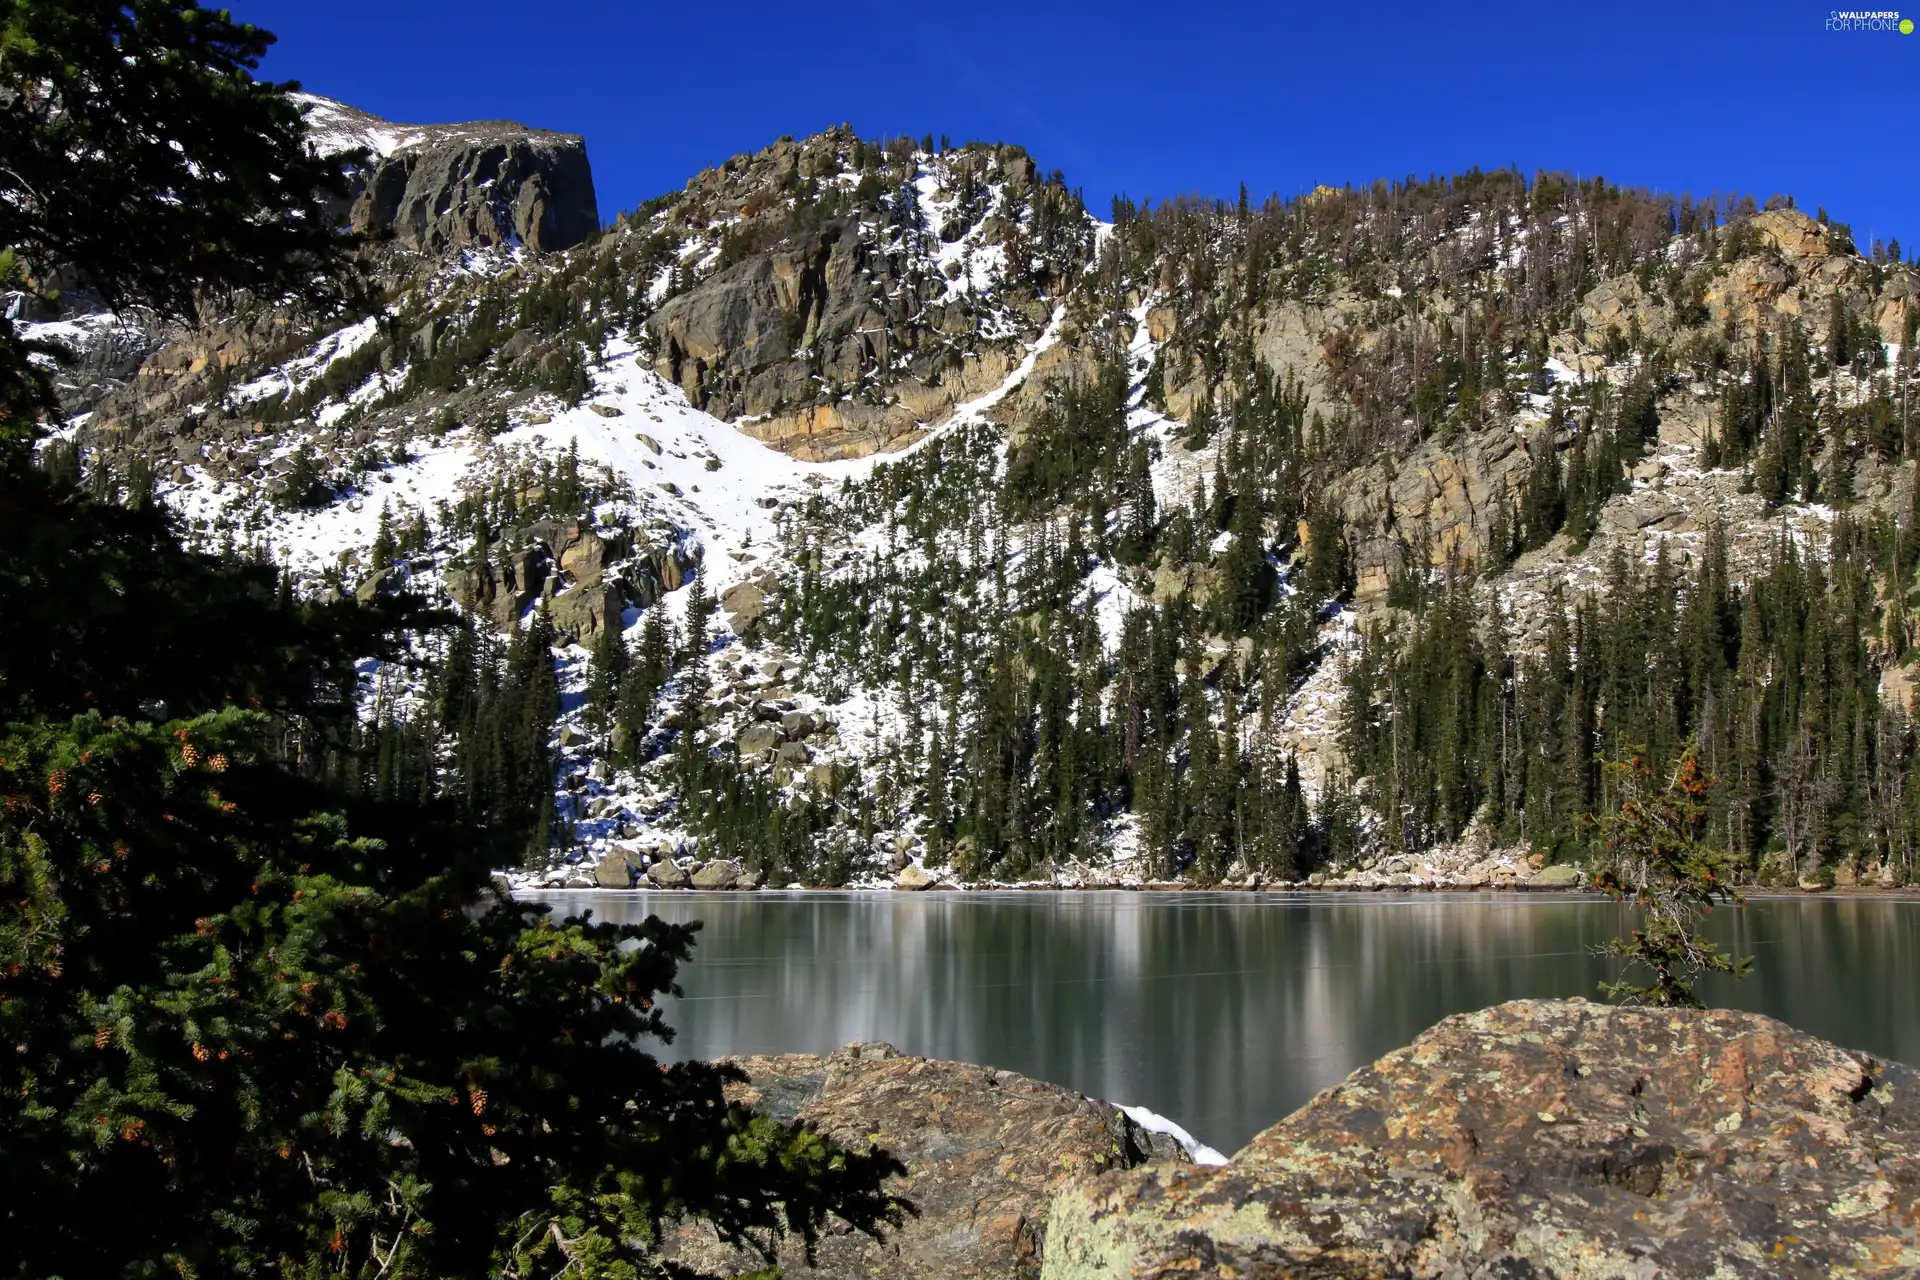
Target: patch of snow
333, 127
1112, 601
1153, 1122
1559, 370
80, 334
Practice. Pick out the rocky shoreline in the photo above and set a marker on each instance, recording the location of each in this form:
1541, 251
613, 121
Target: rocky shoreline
726, 876
1461, 868
1536, 1139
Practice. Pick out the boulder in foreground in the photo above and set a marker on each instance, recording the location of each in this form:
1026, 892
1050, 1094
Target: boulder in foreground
1544, 1139
985, 1152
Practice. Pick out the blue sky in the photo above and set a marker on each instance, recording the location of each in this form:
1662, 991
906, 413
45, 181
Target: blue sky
1163, 99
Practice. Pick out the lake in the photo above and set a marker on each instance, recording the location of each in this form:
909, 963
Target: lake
1221, 1011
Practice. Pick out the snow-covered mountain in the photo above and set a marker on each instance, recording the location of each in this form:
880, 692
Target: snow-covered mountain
1043, 546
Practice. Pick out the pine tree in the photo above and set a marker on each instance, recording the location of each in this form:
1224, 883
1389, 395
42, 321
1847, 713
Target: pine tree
384, 545
610, 664
279, 1028
690, 755
640, 688
1656, 856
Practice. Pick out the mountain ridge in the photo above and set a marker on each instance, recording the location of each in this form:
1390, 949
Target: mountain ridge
1177, 478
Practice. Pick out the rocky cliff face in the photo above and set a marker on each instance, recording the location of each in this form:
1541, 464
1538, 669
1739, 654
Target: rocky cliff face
1544, 1139
828, 331
425, 195
439, 189
1428, 502
985, 1151
732, 344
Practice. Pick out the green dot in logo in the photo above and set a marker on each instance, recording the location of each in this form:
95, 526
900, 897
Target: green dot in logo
1906, 26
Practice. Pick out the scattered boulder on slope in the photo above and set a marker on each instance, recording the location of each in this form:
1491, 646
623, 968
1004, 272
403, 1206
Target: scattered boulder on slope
745, 605
1545, 1138
583, 612
985, 1152
757, 740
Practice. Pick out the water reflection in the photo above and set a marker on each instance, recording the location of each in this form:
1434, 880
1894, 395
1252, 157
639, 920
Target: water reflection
1222, 1011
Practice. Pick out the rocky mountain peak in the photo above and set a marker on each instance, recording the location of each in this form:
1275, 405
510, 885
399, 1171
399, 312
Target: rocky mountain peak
1795, 235
836, 296
439, 188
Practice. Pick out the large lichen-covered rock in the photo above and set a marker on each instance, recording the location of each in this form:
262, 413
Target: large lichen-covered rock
985, 1152
914, 877
1545, 1139
1555, 877
665, 874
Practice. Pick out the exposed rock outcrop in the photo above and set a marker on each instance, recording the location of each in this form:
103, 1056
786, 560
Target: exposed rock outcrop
443, 188
1428, 509
985, 1152
828, 332
575, 566
1788, 268
1545, 1139
731, 344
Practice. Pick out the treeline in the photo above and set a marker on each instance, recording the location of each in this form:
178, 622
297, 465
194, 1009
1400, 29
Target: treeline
1452, 292
1454, 712
1043, 719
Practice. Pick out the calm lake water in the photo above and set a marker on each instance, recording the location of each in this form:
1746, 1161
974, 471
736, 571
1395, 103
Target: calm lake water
1221, 1011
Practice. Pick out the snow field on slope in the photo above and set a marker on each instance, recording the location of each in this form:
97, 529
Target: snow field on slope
333, 127
731, 512
980, 263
